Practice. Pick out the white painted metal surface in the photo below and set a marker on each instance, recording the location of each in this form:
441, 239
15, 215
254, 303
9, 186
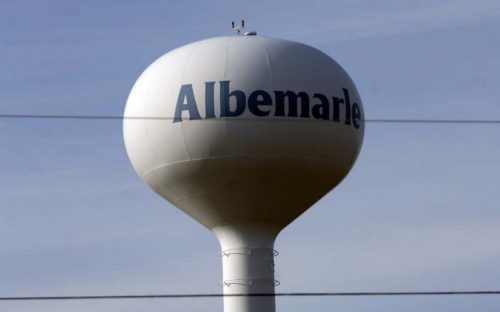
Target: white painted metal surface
259, 130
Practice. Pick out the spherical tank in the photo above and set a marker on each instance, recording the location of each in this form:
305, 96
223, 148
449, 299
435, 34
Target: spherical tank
243, 129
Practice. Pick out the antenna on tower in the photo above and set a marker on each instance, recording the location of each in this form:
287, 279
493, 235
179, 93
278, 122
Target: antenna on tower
238, 29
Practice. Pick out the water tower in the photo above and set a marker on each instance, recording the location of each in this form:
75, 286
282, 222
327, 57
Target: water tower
244, 134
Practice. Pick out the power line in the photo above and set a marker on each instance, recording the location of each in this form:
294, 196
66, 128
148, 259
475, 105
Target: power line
381, 120
291, 294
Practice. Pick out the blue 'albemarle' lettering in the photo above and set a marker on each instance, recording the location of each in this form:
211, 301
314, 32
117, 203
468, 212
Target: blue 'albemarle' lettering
186, 101
260, 103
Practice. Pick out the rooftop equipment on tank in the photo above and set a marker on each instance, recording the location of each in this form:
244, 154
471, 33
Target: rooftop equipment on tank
244, 134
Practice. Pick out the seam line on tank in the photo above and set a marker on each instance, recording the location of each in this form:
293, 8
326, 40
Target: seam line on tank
191, 196
241, 156
182, 79
268, 60
226, 52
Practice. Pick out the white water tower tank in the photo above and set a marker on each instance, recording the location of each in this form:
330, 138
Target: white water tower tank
244, 134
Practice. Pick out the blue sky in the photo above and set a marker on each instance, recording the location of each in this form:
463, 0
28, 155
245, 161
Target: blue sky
419, 211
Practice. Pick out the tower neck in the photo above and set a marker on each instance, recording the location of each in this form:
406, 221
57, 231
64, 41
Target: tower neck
248, 266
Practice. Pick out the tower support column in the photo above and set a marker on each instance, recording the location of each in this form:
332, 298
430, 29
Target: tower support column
248, 267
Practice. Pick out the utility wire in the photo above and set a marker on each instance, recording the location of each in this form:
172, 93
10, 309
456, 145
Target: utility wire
381, 120
291, 294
